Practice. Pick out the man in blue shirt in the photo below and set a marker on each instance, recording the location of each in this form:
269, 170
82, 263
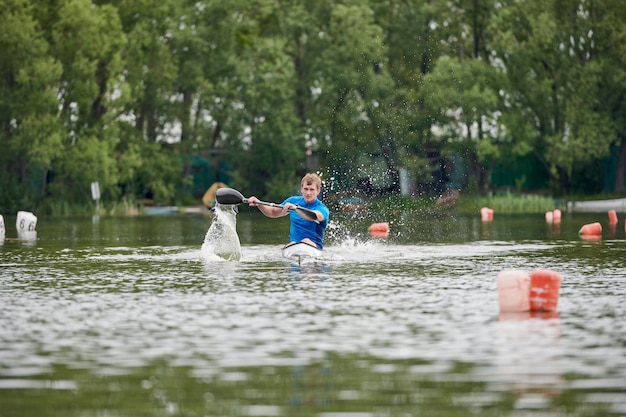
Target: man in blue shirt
302, 229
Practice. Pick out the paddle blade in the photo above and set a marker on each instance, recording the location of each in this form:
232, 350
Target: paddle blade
305, 213
229, 196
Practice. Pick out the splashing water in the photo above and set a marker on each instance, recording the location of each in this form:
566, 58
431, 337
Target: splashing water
221, 240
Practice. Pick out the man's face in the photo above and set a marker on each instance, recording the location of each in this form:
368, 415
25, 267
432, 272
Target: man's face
309, 192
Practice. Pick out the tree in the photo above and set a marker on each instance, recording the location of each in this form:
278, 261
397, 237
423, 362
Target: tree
350, 90
462, 98
269, 150
545, 52
31, 132
85, 94
609, 48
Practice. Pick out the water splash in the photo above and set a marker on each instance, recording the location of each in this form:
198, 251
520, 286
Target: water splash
222, 239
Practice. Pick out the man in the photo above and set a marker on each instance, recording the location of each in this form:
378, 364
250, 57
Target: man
302, 229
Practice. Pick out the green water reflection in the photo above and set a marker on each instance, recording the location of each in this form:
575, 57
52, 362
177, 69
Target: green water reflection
337, 386
123, 317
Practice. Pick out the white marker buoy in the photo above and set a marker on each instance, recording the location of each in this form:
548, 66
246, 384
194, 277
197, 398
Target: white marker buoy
25, 224
513, 290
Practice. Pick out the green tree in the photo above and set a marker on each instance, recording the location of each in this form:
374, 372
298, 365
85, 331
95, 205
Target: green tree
85, 93
345, 101
461, 97
609, 48
551, 96
269, 151
412, 49
31, 132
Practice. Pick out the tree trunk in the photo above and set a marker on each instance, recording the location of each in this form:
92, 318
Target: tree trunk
620, 167
563, 178
97, 107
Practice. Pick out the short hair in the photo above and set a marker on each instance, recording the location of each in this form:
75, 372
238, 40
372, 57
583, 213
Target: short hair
312, 179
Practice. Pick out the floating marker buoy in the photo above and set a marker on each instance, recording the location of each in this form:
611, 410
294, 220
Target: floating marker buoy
2, 229
25, 224
545, 285
379, 230
591, 238
486, 214
556, 215
549, 217
520, 292
591, 229
612, 217
513, 291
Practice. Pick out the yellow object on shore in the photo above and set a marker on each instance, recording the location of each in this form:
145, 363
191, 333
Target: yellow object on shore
208, 199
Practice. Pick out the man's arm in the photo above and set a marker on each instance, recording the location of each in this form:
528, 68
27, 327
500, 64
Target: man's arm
268, 210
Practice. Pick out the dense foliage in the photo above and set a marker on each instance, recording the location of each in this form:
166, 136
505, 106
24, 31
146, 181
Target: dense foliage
128, 93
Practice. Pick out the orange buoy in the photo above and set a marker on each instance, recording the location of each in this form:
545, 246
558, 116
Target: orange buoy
591, 238
486, 214
513, 290
556, 215
545, 285
612, 217
379, 230
549, 217
591, 229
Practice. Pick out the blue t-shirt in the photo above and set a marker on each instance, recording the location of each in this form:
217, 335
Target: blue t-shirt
301, 228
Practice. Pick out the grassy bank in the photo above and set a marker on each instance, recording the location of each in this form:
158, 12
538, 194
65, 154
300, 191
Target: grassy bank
509, 203
470, 204
424, 205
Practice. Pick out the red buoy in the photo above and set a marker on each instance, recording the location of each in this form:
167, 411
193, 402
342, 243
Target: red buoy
520, 292
612, 217
379, 230
591, 229
544, 290
486, 214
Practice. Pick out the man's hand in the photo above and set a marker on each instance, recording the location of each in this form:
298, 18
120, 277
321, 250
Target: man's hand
287, 207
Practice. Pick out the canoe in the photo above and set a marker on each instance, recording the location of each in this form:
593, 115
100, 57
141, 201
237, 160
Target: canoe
300, 250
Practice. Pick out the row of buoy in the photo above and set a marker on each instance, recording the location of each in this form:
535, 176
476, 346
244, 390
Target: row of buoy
553, 217
25, 224
593, 231
520, 292
588, 231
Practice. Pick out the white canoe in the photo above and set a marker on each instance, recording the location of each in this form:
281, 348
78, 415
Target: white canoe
300, 250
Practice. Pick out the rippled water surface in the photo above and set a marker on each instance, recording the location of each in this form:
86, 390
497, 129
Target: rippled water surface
130, 317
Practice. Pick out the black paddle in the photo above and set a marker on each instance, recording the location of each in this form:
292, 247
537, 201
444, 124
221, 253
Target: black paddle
232, 196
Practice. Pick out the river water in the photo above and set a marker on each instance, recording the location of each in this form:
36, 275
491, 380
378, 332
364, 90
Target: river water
131, 317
